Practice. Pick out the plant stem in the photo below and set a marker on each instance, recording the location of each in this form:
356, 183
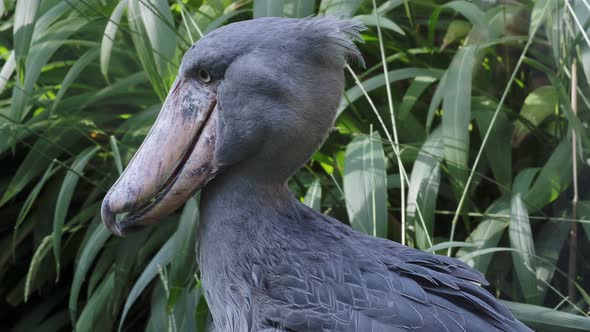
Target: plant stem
574, 226
400, 165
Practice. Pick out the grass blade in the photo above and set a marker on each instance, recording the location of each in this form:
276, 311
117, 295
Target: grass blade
378, 81
340, 7
7, 70
486, 235
85, 60
447, 245
538, 105
25, 15
553, 179
499, 154
40, 253
521, 239
89, 252
365, 185
371, 20
31, 200
64, 198
108, 38
457, 114
155, 42
182, 268
299, 8
97, 305
416, 89
546, 319
266, 8
313, 197
423, 188
548, 245
161, 259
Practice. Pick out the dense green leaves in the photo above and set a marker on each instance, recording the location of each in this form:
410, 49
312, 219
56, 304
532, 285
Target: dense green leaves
82, 82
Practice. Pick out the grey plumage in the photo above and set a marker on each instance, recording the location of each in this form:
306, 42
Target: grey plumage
269, 262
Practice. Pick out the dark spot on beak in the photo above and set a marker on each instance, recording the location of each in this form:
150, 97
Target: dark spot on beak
131, 197
200, 171
189, 107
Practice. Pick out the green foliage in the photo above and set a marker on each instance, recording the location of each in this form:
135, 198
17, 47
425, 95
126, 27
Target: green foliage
484, 150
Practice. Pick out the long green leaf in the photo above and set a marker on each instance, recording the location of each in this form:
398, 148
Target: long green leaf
546, 319
299, 8
89, 252
97, 305
155, 42
64, 199
457, 113
436, 100
499, 154
486, 235
40, 253
447, 245
25, 15
475, 15
313, 196
457, 29
538, 105
524, 179
365, 185
553, 179
378, 81
371, 20
7, 70
423, 188
85, 60
548, 245
161, 259
521, 239
108, 38
182, 267
264, 8
416, 89
31, 200
340, 7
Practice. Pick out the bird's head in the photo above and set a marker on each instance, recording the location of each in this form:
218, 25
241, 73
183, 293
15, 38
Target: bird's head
259, 96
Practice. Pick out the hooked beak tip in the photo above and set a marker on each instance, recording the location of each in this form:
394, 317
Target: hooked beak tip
109, 218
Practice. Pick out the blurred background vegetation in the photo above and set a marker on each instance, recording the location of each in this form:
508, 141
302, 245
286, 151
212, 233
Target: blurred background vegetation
479, 148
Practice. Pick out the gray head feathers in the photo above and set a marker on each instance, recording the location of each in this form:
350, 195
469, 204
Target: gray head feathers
324, 40
341, 32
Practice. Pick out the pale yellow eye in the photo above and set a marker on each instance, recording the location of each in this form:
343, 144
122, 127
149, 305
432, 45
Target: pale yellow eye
204, 76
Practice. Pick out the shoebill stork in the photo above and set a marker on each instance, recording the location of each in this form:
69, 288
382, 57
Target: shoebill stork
252, 101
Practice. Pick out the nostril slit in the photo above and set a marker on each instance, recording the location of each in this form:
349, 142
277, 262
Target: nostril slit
176, 86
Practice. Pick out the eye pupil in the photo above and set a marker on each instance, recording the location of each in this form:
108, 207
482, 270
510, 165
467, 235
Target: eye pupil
204, 75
